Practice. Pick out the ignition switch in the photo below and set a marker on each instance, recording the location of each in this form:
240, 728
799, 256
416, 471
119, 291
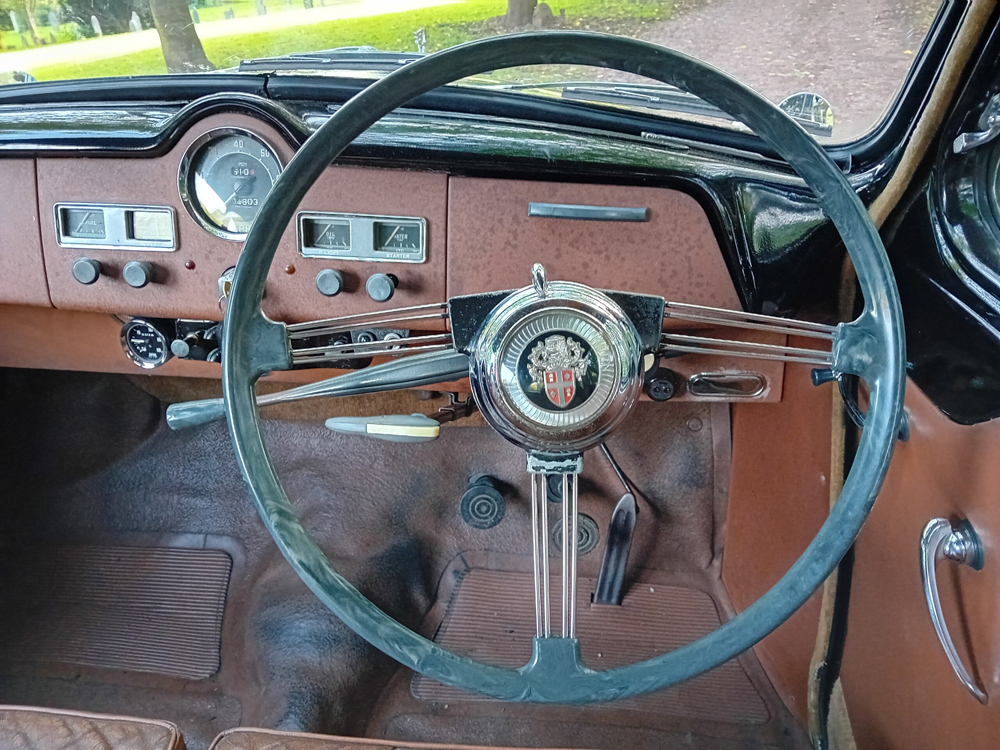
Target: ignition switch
661, 385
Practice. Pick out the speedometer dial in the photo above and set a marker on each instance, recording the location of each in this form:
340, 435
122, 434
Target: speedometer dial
225, 177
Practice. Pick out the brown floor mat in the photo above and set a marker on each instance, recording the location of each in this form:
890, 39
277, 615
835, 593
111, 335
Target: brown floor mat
491, 618
156, 610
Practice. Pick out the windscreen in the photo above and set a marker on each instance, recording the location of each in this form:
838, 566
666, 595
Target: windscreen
836, 66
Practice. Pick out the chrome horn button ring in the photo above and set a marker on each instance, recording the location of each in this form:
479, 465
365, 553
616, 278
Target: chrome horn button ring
555, 370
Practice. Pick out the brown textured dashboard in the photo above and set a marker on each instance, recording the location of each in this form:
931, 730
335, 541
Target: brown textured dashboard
479, 237
181, 292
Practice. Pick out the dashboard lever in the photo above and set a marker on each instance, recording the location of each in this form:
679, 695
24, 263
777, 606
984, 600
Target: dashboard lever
405, 428
394, 428
960, 544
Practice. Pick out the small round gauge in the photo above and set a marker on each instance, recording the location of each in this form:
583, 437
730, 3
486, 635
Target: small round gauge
145, 343
224, 178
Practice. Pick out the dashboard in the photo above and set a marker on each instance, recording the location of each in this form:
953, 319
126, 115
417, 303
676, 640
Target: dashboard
114, 260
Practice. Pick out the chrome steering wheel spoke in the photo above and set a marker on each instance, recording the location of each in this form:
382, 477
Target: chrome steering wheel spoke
568, 467
674, 342
310, 342
411, 372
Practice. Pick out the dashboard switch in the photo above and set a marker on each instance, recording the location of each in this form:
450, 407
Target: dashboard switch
86, 270
329, 282
381, 286
137, 273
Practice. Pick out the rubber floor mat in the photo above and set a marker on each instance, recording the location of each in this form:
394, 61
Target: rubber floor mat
491, 618
153, 610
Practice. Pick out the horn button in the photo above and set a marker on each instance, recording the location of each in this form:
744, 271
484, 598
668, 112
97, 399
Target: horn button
556, 366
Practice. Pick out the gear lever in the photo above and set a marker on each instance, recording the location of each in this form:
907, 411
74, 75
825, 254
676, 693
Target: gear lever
611, 581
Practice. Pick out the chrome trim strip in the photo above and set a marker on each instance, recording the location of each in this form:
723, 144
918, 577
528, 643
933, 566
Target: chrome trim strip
587, 213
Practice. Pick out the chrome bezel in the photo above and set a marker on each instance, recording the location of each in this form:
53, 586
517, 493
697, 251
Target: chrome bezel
190, 201
143, 363
520, 319
116, 231
364, 244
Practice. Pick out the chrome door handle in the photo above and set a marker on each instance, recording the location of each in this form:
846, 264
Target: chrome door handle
989, 128
961, 545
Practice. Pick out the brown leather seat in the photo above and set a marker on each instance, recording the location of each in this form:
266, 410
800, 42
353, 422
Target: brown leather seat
269, 739
27, 728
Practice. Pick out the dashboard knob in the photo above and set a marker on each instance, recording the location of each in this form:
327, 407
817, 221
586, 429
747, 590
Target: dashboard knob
381, 286
137, 273
182, 347
86, 270
329, 282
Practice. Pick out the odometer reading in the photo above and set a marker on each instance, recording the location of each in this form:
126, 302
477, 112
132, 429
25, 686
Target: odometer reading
225, 178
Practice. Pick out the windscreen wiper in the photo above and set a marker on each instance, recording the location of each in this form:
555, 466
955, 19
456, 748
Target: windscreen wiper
341, 58
651, 96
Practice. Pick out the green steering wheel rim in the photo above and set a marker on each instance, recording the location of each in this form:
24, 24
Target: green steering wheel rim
555, 673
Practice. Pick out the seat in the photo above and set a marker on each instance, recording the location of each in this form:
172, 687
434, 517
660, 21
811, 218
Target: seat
28, 728
269, 739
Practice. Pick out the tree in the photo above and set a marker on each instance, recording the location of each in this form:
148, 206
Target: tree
25, 10
182, 50
113, 15
519, 12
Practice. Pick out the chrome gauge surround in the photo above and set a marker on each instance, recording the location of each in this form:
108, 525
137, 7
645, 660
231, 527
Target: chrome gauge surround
190, 164
575, 336
151, 336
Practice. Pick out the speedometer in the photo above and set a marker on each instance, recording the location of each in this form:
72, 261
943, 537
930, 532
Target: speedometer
224, 178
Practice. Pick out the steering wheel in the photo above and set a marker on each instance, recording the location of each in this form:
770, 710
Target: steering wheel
556, 366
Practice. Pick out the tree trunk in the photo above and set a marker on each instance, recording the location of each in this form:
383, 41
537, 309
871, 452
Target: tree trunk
29, 11
182, 50
519, 12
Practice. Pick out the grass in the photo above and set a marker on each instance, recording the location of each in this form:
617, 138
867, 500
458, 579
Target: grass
445, 26
9, 40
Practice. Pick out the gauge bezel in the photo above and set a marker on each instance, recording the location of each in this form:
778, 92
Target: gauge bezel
143, 363
190, 200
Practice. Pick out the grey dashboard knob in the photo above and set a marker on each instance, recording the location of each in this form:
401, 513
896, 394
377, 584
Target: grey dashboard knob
86, 270
381, 286
329, 282
137, 273
180, 348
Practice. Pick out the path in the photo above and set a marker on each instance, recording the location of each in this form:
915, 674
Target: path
856, 53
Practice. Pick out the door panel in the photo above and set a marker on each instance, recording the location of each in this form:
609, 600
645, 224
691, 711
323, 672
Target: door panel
901, 691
